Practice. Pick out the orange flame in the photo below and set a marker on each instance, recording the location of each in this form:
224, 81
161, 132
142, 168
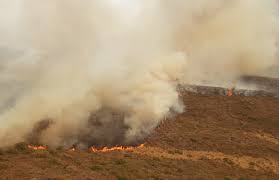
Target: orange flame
72, 149
117, 148
37, 147
230, 92
93, 149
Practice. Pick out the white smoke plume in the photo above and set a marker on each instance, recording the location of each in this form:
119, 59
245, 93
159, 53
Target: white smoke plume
105, 72
225, 39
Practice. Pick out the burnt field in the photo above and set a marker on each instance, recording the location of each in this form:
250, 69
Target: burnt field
217, 137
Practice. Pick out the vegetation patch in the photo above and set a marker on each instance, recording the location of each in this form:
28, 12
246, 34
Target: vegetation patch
120, 162
96, 168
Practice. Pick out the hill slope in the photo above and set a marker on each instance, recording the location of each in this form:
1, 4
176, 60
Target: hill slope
218, 137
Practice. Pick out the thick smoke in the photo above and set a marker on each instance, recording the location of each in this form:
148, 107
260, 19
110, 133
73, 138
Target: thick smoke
105, 72
225, 38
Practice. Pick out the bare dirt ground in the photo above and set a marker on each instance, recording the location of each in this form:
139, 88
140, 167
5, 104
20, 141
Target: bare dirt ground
218, 137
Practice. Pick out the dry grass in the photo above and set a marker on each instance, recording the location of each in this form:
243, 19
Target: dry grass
217, 138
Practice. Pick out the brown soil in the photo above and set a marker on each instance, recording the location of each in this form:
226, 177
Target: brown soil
218, 137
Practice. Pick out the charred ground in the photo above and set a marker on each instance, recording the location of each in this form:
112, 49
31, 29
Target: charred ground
218, 137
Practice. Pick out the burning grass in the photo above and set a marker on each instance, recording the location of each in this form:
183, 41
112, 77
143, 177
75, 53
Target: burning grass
37, 147
117, 148
91, 149
180, 149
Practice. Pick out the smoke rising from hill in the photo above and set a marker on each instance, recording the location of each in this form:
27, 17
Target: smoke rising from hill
100, 73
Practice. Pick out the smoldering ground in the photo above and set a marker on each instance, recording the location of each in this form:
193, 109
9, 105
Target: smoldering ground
105, 72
